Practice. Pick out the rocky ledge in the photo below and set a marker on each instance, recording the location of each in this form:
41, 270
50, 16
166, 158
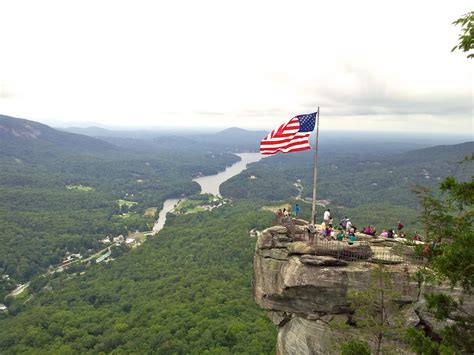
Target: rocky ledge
305, 290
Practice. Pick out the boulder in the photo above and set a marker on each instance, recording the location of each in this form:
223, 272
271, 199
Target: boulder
265, 241
293, 286
428, 319
327, 318
300, 248
313, 316
301, 336
300, 230
281, 244
278, 318
283, 238
322, 260
274, 237
409, 316
275, 253
276, 230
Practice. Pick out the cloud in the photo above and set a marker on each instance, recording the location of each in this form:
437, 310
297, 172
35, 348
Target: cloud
366, 94
250, 64
262, 112
210, 113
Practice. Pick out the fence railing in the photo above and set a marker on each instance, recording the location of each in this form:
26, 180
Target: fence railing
367, 252
362, 250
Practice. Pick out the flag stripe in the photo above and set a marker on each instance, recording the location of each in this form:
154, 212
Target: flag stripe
297, 149
304, 143
287, 145
280, 141
292, 136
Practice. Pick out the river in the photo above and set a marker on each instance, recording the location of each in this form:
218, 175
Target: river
209, 184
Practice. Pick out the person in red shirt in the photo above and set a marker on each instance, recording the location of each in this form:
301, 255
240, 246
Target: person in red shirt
279, 215
399, 229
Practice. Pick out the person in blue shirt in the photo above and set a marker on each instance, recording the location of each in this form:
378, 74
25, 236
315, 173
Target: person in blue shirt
352, 238
340, 235
297, 210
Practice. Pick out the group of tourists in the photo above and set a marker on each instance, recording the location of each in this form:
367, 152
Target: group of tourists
390, 233
370, 230
345, 230
285, 216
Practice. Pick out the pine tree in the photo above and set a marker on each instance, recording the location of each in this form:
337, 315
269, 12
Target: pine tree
448, 217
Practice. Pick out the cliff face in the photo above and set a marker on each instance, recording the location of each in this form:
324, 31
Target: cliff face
306, 294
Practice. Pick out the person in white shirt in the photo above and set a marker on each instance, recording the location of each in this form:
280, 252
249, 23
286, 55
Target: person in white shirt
348, 225
327, 216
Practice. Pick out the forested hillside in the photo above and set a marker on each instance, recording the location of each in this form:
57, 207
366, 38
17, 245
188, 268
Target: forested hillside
187, 291
55, 199
30, 141
362, 185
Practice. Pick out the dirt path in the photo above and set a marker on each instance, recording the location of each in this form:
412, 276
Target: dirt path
19, 290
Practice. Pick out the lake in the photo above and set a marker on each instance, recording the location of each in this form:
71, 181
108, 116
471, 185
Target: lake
209, 184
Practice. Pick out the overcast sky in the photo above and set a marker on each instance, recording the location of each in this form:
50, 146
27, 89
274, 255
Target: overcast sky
369, 65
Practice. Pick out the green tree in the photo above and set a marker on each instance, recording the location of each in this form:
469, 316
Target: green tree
355, 347
448, 217
374, 309
466, 38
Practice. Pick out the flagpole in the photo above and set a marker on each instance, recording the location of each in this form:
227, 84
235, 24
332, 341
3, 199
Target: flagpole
315, 174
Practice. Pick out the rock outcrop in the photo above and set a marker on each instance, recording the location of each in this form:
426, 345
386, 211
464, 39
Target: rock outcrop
305, 289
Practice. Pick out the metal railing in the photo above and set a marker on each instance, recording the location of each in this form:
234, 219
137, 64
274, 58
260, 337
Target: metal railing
362, 250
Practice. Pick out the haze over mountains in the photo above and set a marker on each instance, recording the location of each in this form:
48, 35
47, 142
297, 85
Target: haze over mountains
29, 140
20, 137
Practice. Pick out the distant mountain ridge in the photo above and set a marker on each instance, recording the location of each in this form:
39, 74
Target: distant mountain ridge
354, 181
235, 138
24, 139
230, 139
438, 152
92, 131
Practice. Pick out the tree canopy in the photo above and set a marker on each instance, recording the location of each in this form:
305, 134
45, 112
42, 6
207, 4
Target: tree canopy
466, 37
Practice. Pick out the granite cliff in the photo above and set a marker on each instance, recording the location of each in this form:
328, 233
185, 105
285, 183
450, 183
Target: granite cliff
305, 288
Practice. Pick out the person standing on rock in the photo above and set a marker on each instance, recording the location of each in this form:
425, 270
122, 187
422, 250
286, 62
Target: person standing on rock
352, 238
311, 233
343, 223
340, 236
327, 216
279, 215
399, 229
348, 225
390, 233
297, 210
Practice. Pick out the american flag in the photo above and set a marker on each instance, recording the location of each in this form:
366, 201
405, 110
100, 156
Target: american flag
292, 136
